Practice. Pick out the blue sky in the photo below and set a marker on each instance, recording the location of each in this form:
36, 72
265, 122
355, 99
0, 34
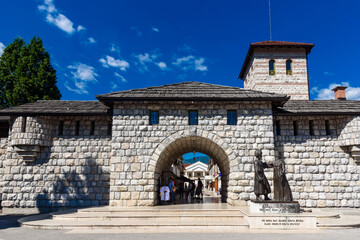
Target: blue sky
104, 46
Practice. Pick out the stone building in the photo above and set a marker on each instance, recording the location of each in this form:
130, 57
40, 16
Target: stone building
197, 170
113, 151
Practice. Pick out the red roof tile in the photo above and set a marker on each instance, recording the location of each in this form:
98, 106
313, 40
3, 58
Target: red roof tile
306, 46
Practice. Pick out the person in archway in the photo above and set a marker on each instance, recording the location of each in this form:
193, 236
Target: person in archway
164, 194
261, 184
172, 188
181, 189
192, 189
199, 188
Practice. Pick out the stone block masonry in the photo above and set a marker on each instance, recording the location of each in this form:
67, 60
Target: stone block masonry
295, 84
320, 170
73, 171
140, 152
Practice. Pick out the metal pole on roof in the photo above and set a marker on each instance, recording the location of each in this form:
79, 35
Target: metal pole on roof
270, 20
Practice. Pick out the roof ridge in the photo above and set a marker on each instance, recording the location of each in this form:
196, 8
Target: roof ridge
170, 85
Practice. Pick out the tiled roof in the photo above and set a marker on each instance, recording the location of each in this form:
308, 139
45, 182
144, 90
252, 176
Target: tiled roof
266, 44
319, 107
57, 107
283, 44
192, 91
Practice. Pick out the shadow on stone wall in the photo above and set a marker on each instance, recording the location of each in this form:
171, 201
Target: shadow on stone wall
84, 186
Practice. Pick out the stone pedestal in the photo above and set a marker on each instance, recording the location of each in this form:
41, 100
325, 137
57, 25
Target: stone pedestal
274, 207
278, 215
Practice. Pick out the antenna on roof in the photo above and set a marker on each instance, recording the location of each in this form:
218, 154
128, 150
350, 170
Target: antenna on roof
270, 20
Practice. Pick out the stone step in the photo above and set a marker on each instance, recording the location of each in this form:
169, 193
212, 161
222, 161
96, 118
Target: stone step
151, 214
161, 217
156, 211
136, 224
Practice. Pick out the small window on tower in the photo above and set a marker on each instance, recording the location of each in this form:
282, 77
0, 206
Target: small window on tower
288, 67
272, 67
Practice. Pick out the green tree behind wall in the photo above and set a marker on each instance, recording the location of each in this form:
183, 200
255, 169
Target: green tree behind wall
26, 74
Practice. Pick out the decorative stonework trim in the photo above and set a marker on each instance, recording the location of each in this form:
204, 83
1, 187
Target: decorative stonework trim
355, 153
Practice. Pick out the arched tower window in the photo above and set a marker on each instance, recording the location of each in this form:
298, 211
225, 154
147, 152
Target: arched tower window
288, 67
272, 67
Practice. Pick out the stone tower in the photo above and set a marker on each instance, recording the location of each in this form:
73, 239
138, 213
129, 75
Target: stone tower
278, 67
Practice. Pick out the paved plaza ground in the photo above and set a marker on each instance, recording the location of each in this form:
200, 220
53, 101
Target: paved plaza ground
10, 229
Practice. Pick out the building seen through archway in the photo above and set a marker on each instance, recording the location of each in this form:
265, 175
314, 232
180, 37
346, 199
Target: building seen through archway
187, 170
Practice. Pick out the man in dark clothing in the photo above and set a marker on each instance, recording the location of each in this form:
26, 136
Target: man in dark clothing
199, 189
181, 189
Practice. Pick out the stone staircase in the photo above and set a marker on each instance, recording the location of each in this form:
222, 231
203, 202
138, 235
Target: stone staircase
145, 220
218, 218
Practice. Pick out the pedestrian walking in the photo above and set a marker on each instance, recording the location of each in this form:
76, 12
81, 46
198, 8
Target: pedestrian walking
199, 188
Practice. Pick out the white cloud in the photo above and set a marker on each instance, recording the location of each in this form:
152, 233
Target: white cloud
155, 29
48, 6
199, 65
80, 28
60, 20
352, 93
114, 85
91, 40
161, 65
191, 63
146, 60
122, 79
112, 62
115, 48
2, 47
82, 75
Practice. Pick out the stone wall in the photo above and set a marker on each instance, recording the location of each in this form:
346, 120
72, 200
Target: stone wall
138, 146
294, 85
123, 169
321, 173
350, 131
3, 147
73, 171
32, 130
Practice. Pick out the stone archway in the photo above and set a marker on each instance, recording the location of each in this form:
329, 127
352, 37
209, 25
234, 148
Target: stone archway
199, 141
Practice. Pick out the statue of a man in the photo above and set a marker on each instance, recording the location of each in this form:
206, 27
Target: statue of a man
261, 184
282, 191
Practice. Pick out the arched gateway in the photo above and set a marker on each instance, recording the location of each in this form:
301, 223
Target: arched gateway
201, 141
